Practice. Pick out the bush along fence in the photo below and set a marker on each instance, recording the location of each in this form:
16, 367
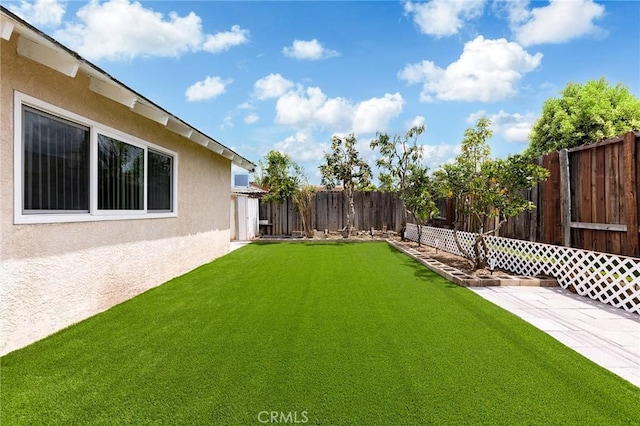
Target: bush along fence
590, 201
608, 278
374, 209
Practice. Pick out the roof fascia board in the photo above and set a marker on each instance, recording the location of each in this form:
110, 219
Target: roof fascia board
46, 56
217, 148
151, 112
113, 92
179, 127
6, 28
200, 139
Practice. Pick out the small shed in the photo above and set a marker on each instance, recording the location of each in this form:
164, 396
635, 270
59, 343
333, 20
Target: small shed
245, 210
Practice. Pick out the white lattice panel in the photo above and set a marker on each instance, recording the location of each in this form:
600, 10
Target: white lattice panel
605, 277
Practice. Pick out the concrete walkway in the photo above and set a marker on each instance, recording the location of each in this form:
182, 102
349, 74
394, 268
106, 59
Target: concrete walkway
237, 244
608, 336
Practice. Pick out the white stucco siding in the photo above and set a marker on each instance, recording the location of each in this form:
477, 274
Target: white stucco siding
43, 295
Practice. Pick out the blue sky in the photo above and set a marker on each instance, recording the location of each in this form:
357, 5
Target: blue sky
278, 75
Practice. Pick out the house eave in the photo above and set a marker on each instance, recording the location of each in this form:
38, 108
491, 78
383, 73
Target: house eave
39, 47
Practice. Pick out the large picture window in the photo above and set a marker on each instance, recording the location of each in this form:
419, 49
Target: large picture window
72, 169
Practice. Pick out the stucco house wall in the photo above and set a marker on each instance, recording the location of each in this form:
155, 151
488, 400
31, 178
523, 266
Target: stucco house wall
55, 274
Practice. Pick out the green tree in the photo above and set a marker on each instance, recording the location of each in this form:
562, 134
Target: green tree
484, 188
279, 175
584, 114
303, 198
397, 157
344, 166
419, 195
284, 179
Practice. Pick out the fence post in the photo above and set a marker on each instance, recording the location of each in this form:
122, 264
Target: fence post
565, 197
630, 197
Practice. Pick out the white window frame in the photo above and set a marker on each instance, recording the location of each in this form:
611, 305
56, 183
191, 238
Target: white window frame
95, 128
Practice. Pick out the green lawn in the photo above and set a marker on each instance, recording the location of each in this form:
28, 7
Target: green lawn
349, 333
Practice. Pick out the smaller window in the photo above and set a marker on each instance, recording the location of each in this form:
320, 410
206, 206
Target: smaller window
159, 182
120, 175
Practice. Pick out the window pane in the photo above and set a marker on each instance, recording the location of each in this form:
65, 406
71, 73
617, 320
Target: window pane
56, 163
120, 175
159, 176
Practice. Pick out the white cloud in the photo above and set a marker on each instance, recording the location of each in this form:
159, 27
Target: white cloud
311, 108
374, 114
301, 147
41, 12
227, 122
308, 50
517, 10
246, 105
251, 118
223, 41
121, 29
208, 88
271, 86
513, 127
436, 155
443, 17
487, 71
558, 22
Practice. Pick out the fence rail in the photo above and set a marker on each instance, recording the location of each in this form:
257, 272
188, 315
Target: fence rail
609, 278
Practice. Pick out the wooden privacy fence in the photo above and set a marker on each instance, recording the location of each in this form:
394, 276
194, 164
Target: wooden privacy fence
374, 209
609, 278
590, 200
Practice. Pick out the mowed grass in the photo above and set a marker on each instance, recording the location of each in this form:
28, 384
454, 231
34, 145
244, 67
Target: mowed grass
328, 333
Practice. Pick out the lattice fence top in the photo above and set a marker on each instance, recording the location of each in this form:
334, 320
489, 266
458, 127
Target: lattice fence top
605, 277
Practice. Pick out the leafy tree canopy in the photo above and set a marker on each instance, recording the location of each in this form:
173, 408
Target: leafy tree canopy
279, 175
584, 114
397, 155
343, 165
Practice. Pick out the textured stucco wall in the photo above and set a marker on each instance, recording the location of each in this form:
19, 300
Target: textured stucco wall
53, 275
45, 294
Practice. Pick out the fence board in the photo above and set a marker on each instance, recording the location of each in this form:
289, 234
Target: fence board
630, 196
583, 182
552, 227
599, 207
613, 207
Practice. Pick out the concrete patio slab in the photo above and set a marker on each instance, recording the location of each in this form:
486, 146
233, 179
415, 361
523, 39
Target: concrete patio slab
237, 244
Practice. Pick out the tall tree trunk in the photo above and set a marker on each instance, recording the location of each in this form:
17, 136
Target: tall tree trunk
403, 221
350, 211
